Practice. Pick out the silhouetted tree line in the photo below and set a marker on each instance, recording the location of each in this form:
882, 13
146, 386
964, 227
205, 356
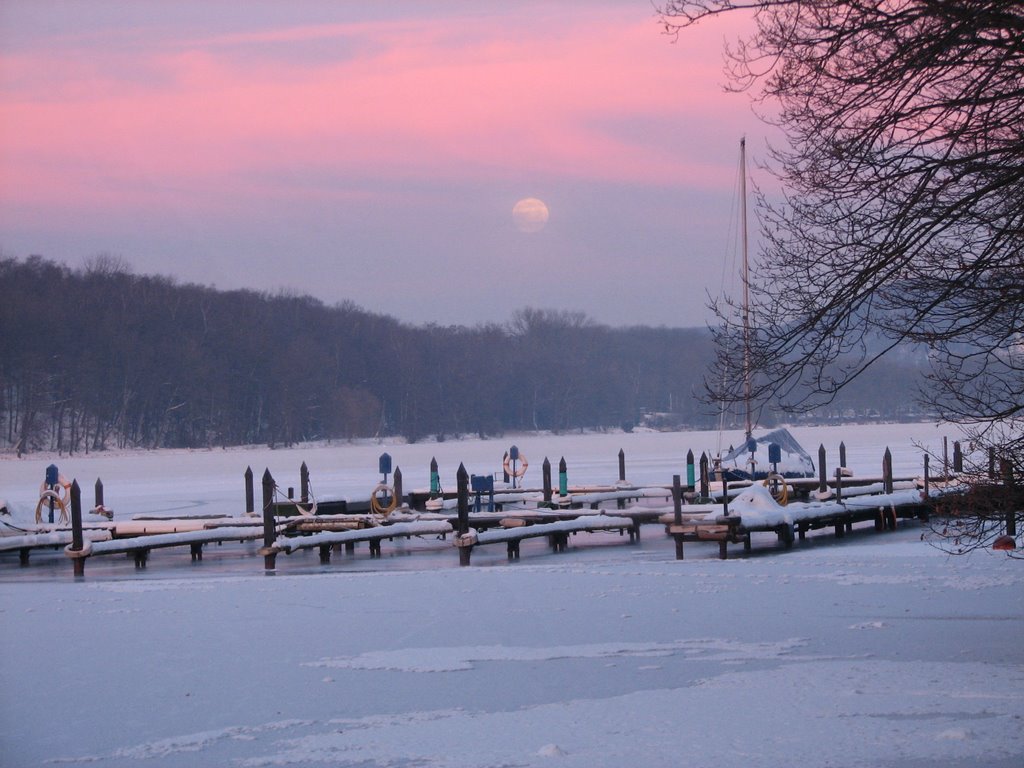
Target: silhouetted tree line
99, 357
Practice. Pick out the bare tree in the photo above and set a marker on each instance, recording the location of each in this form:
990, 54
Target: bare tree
902, 216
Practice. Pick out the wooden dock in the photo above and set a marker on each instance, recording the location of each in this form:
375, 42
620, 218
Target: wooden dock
723, 513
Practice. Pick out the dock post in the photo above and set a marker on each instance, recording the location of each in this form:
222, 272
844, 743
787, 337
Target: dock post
725, 496
822, 470
926, 461
839, 485
887, 471
690, 479
77, 538
705, 483
250, 503
98, 496
563, 478
545, 469
621, 503
1008, 490
842, 454
304, 483
397, 485
504, 463
269, 527
677, 508
435, 479
958, 457
462, 485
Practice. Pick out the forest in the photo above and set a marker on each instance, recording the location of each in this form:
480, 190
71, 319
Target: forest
98, 357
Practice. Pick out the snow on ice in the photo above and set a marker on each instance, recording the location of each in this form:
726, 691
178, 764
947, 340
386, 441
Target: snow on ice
872, 650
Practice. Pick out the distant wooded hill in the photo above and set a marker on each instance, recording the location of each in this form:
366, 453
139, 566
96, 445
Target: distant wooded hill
100, 357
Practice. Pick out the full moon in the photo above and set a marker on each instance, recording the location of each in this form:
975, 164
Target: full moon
530, 214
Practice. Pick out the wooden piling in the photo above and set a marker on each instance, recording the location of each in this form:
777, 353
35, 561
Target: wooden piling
887, 471
269, 524
98, 494
250, 502
705, 481
839, 484
77, 537
926, 478
304, 483
462, 486
546, 479
1008, 489
690, 479
842, 455
677, 508
620, 503
397, 484
563, 478
958, 457
822, 470
504, 463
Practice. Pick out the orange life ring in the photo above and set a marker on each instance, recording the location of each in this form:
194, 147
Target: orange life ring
377, 507
523, 464
48, 495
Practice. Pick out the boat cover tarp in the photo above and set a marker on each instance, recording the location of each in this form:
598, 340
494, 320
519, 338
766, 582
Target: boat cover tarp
795, 461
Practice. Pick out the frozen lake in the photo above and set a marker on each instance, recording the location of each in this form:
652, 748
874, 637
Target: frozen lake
876, 649
210, 481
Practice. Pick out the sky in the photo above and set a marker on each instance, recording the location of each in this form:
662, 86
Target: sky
374, 152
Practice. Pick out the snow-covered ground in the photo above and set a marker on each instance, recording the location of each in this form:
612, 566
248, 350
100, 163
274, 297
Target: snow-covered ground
873, 650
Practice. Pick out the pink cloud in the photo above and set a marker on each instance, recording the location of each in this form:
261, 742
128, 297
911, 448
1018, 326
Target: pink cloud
469, 100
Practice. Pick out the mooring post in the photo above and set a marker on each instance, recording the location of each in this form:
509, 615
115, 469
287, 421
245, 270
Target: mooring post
563, 478
839, 484
842, 455
822, 470
705, 481
250, 503
887, 471
958, 457
435, 479
689, 471
677, 508
304, 483
462, 487
77, 537
98, 496
545, 470
269, 526
397, 482
927, 458
504, 465
620, 503
1008, 490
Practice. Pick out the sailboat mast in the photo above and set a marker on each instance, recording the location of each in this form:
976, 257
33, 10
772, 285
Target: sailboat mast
746, 289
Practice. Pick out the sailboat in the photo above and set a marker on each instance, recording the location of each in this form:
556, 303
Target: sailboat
776, 452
